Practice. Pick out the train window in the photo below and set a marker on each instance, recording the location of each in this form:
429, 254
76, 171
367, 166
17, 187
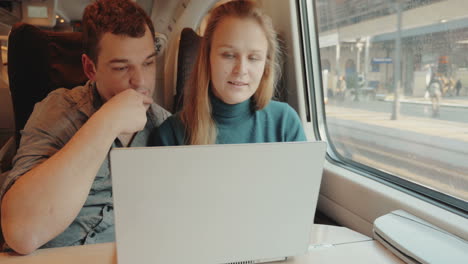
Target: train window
395, 78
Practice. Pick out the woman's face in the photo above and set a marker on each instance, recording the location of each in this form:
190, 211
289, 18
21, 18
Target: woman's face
237, 58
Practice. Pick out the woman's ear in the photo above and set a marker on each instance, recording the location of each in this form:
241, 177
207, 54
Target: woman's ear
89, 67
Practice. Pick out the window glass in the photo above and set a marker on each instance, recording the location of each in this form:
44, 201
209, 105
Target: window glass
397, 87
6, 108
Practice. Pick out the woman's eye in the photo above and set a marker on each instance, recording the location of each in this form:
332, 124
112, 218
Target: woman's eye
228, 55
254, 58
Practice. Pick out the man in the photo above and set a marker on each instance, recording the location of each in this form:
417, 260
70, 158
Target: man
59, 191
458, 86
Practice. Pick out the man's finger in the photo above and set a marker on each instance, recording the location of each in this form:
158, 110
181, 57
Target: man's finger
147, 100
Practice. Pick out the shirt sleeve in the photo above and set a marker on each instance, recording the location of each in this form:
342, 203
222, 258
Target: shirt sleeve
159, 113
50, 126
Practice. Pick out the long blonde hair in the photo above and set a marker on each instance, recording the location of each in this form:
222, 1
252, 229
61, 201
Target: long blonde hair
196, 112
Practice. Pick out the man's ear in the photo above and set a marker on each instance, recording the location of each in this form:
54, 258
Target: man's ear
89, 67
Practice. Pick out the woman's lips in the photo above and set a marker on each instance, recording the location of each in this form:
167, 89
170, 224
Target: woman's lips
236, 83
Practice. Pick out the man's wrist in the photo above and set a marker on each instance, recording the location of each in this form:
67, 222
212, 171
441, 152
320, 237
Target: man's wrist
102, 122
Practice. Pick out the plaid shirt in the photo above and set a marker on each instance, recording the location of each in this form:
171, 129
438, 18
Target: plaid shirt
52, 124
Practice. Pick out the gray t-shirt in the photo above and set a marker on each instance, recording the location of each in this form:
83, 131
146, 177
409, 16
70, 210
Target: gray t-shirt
51, 125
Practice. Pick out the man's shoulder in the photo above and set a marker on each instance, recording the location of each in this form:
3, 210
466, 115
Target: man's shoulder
68, 96
60, 103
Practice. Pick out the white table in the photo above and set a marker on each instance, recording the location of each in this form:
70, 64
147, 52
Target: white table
329, 244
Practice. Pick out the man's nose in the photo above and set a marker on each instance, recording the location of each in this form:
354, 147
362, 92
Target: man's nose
137, 78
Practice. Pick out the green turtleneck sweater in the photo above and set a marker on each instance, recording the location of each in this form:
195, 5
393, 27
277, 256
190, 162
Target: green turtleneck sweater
238, 123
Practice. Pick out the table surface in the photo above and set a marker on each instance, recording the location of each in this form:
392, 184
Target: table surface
329, 244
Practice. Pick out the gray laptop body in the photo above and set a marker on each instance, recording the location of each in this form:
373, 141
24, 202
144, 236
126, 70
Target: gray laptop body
215, 203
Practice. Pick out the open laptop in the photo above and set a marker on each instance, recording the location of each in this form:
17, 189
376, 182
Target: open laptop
240, 203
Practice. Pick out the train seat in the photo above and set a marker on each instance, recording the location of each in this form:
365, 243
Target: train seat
187, 54
39, 62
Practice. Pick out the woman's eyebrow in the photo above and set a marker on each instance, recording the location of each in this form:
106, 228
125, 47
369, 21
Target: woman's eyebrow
232, 47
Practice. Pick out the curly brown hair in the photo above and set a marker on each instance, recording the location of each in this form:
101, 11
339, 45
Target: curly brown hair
120, 17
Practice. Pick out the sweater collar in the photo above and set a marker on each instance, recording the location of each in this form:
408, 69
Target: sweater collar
228, 113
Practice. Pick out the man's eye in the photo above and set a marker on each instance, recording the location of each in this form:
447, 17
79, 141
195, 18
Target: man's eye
148, 63
254, 58
120, 68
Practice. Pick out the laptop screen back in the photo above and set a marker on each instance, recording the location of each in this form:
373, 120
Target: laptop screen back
215, 203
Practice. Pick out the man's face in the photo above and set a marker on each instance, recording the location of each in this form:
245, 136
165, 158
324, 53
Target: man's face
124, 63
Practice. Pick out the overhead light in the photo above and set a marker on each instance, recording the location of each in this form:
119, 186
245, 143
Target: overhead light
62, 20
443, 20
56, 16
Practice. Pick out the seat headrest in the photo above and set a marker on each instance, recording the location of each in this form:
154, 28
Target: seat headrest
38, 62
188, 52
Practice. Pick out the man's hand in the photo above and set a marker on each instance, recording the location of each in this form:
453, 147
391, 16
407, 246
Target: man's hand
127, 110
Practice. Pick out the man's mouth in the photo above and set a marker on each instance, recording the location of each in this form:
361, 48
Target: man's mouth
143, 91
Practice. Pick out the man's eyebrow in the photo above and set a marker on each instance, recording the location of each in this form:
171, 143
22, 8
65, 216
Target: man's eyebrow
152, 55
117, 60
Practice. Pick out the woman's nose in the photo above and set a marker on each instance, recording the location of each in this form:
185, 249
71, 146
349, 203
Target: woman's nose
240, 67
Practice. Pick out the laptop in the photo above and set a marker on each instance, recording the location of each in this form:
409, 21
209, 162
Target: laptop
214, 204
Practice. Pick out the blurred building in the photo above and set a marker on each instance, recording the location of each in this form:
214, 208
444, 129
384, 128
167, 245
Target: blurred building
357, 38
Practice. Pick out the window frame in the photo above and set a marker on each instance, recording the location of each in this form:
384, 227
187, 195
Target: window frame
316, 114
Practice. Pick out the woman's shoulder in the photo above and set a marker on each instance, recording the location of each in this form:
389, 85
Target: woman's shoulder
286, 119
170, 133
171, 122
281, 112
279, 108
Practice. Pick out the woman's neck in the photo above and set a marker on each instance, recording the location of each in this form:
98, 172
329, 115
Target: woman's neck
229, 113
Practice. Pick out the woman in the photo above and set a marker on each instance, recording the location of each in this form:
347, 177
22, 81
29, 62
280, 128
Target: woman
435, 93
230, 89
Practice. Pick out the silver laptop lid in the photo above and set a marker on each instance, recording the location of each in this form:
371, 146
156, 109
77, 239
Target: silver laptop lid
215, 203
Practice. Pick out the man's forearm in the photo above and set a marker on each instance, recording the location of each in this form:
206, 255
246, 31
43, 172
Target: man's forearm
44, 201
